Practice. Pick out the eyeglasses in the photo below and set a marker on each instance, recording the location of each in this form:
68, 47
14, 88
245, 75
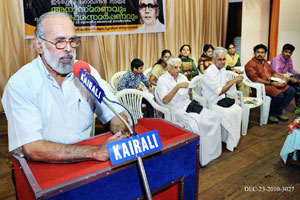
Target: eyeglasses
62, 43
221, 59
150, 6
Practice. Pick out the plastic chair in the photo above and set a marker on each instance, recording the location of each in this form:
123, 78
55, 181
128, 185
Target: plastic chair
132, 100
115, 80
197, 91
245, 101
265, 108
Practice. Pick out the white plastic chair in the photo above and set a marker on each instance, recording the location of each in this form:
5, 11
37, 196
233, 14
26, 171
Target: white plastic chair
243, 101
265, 108
197, 91
132, 100
115, 80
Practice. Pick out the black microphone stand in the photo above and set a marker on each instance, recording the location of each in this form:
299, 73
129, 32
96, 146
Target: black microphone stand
132, 133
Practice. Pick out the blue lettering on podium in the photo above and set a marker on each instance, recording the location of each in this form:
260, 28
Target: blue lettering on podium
130, 148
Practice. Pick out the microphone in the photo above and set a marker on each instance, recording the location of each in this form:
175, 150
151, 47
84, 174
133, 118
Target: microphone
82, 71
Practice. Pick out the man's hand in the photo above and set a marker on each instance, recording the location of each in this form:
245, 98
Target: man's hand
293, 80
239, 71
182, 85
239, 78
173, 92
101, 154
150, 89
278, 85
117, 125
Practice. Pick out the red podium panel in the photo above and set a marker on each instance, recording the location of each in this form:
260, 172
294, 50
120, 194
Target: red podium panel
171, 172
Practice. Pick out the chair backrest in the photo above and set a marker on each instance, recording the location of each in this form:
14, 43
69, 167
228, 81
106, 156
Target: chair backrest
262, 93
147, 72
197, 91
132, 100
196, 81
115, 79
231, 75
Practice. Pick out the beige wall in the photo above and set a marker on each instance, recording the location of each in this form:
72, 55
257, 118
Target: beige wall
255, 26
289, 28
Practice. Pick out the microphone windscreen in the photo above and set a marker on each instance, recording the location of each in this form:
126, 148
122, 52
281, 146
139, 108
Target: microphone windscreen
80, 65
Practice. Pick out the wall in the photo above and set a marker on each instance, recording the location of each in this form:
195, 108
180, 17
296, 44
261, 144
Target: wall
255, 26
289, 29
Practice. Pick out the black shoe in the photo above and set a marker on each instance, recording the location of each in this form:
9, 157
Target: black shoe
272, 120
282, 118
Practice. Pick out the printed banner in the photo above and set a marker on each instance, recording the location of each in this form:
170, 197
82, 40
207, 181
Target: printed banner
100, 17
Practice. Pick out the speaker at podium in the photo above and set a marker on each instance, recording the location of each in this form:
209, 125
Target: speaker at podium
172, 172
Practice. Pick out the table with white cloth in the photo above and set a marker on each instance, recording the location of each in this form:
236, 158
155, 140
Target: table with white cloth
291, 145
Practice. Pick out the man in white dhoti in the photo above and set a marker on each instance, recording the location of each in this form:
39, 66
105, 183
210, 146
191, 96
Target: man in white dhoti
172, 89
214, 87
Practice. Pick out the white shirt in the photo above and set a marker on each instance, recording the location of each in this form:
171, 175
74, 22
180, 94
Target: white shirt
212, 82
159, 27
37, 108
166, 84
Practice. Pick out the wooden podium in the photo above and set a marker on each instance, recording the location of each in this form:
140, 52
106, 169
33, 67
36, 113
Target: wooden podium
172, 172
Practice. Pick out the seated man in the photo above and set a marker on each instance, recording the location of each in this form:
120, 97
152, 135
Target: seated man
283, 65
214, 87
259, 70
172, 89
132, 80
47, 108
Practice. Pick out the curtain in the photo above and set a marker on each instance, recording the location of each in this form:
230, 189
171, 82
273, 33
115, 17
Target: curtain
194, 22
274, 29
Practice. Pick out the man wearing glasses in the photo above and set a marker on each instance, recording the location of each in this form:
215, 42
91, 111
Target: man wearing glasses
46, 106
149, 12
214, 87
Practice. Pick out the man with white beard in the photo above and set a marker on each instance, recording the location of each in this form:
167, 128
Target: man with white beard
47, 108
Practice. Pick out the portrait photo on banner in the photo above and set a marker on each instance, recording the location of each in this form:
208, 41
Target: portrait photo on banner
100, 17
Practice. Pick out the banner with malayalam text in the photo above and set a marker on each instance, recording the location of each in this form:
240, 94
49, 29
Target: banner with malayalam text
100, 17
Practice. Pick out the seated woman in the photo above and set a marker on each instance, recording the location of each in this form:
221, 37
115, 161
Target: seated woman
188, 66
232, 59
159, 67
206, 58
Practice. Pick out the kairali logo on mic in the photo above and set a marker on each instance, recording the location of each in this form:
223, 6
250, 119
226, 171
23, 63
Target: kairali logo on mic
91, 85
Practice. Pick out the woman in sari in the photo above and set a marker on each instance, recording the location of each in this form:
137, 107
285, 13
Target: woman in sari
159, 67
206, 58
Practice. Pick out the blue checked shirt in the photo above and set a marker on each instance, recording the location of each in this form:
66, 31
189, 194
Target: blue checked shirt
128, 80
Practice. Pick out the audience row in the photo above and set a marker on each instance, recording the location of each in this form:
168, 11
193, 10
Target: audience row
222, 121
